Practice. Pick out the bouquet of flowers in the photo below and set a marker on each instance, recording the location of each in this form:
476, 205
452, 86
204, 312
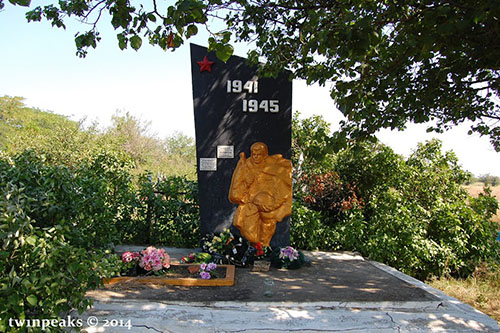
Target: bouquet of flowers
129, 261
217, 243
130, 257
205, 270
196, 258
261, 251
153, 259
289, 253
287, 257
150, 259
225, 248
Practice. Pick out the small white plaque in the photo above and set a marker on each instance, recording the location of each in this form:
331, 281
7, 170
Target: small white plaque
225, 151
208, 164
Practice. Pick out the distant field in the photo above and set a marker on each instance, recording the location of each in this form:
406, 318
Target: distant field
476, 188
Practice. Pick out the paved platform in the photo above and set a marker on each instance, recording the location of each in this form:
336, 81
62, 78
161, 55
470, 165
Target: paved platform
338, 292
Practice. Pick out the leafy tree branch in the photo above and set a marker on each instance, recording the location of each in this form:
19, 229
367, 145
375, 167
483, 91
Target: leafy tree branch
391, 61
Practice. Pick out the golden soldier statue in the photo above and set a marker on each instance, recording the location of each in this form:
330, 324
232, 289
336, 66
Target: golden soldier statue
262, 187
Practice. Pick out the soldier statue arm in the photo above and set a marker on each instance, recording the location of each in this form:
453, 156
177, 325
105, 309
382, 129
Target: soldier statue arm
238, 192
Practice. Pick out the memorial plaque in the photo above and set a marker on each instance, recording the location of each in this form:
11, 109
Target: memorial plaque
233, 109
225, 151
208, 164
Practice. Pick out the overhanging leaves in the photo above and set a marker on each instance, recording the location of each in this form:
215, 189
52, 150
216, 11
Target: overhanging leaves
24, 3
391, 61
135, 42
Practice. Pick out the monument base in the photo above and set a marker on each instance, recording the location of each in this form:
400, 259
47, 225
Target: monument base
228, 280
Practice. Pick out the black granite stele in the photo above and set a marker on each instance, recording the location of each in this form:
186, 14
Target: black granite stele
220, 120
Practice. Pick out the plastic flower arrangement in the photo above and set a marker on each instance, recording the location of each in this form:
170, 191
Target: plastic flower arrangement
289, 253
129, 261
205, 270
225, 248
128, 256
287, 257
153, 259
196, 258
218, 243
157, 262
261, 251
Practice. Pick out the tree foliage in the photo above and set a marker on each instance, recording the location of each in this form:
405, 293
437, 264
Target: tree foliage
488, 179
174, 155
58, 223
412, 214
312, 145
21, 125
181, 152
71, 143
390, 61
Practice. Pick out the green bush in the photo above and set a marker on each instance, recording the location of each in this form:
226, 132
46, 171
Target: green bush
395, 234
86, 200
105, 194
309, 230
99, 202
167, 213
416, 216
312, 146
43, 275
327, 193
425, 223
370, 167
177, 215
57, 221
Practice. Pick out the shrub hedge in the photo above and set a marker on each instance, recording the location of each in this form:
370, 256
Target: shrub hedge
415, 215
58, 224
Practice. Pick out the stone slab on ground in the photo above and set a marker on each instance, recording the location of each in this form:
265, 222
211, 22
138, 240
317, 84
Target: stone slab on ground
331, 277
339, 292
147, 316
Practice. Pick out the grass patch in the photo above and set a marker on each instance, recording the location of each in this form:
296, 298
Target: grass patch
481, 290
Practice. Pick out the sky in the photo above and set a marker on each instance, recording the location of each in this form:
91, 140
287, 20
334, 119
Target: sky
38, 62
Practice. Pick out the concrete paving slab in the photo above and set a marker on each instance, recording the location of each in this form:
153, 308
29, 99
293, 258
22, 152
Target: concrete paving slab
341, 277
163, 317
339, 292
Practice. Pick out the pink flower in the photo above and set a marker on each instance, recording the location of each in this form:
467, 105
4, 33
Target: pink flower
130, 256
289, 253
205, 269
153, 258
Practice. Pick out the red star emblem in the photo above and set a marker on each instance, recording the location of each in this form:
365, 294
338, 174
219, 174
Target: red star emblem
205, 65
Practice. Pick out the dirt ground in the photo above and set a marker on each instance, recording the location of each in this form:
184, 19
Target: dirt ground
326, 279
